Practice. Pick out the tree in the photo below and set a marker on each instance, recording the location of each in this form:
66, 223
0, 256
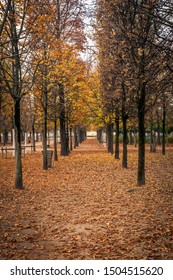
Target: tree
133, 40
5, 7
12, 74
16, 70
69, 25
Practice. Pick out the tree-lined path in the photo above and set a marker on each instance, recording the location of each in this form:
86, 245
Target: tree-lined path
87, 207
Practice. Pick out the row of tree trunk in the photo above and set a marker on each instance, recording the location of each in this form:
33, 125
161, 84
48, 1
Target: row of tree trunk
79, 132
126, 140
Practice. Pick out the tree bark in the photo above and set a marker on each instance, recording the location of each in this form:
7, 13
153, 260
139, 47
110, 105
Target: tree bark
110, 138
55, 128
163, 128
152, 140
75, 138
64, 151
18, 150
158, 129
125, 139
71, 140
45, 167
55, 140
135, 138
67, 139
117, 149
130, 137
124, 119
141, 129
33, 136
45, 163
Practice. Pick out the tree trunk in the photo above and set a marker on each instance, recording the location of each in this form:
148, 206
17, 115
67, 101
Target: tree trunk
48, 138
55, 128
125, 139
135, 136
45, 167
152, 142
163, 127
71, 140
67, 139
130, 137
110, 138
37, 137
78, 136
141, 129
117, 150
33, 136
55, 140
124, 119
64, 151
158, 136
158, 129
5, 136
18, 150
75, 138
151, 135
81, 135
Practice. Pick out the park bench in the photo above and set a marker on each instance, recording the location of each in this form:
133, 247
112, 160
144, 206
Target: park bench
5, 149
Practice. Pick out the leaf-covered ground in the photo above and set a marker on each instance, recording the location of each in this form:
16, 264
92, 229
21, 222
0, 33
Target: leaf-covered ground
87, 207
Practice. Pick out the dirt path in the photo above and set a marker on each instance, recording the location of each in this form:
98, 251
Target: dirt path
87, 207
